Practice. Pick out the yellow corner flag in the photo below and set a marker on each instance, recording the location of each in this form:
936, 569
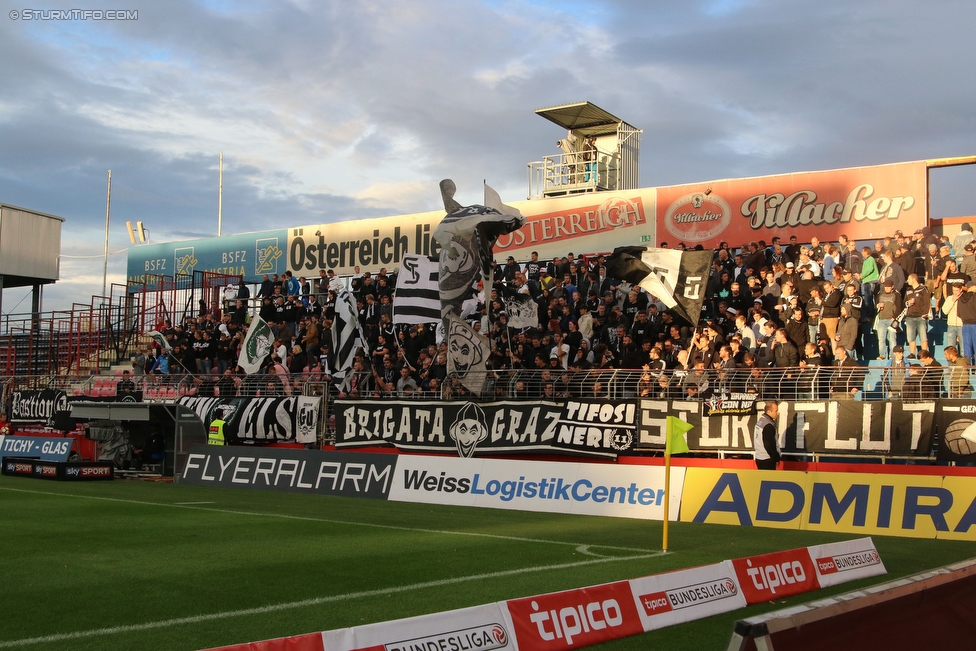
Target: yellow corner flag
675, 444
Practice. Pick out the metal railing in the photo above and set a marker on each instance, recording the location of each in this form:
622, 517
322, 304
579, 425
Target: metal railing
573, 172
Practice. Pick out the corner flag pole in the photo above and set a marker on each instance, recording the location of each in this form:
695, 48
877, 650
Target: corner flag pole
667, 487
674, 444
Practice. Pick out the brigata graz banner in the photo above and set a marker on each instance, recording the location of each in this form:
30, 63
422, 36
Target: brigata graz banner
594, 427
294, 418
841, 426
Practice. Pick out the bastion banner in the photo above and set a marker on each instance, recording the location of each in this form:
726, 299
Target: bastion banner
590, 427
839, 426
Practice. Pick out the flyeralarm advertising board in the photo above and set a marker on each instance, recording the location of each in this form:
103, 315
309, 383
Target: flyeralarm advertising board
862, 202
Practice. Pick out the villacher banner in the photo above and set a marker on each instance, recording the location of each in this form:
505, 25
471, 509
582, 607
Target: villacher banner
839, 426
592, 427
294, 418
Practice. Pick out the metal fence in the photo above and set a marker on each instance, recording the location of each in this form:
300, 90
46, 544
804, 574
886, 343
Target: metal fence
809, 383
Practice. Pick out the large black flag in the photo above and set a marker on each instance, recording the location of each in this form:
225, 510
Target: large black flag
676, 278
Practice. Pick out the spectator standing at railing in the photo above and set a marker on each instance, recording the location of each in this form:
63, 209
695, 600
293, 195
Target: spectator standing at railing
847, 377
931, 376
958, 374
267, 287
125, 387
919, 304
953, 336
889, 308
895, 373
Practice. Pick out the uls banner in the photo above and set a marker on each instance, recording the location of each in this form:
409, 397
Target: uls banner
263, 419
592, 427
840, 426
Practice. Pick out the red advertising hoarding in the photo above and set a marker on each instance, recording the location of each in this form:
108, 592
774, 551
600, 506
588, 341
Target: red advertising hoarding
864, 203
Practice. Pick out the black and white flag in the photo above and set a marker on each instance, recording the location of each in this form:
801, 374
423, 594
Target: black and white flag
522, 311
417, 298
467, 236
467, 352
676, 278
257, 346
346, 330
160, 339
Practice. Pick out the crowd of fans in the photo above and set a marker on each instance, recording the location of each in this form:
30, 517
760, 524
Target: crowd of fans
779, 320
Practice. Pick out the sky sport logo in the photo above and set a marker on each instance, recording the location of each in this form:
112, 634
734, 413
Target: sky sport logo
74, 14
687, 596
478, 638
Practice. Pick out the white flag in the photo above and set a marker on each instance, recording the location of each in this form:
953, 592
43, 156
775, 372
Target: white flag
257, 345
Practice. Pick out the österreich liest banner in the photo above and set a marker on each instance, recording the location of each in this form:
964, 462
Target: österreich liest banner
592, 427
580, 617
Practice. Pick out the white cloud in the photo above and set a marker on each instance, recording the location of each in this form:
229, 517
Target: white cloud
339, 110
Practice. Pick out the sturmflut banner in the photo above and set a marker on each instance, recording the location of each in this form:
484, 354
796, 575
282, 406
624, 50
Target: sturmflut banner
591, 427
841, 426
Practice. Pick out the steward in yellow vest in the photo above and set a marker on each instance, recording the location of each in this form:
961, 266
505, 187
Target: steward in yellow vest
216, 436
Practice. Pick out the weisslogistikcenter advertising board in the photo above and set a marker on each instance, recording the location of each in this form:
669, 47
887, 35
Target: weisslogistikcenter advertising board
551, 487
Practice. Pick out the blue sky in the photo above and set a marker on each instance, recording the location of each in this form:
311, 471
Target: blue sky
328, 111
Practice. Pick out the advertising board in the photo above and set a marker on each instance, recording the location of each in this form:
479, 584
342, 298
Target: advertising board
913, 506
550, 487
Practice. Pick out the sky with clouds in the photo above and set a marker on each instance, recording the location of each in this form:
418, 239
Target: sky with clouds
330, 111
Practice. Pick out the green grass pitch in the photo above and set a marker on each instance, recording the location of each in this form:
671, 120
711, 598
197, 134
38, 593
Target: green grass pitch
141, 565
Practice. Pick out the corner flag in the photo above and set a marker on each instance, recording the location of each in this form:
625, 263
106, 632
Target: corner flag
676, 443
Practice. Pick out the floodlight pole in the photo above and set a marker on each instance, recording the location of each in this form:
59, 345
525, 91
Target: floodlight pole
220, 194
108, 211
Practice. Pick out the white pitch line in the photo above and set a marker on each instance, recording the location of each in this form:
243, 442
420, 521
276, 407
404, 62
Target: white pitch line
331, 521
191, 503
196, 619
